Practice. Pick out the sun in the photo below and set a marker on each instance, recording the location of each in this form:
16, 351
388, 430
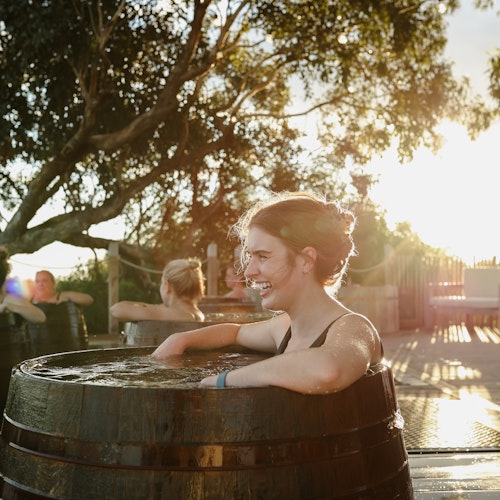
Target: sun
449, 198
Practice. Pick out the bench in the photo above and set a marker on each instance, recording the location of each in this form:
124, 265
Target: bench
480, 297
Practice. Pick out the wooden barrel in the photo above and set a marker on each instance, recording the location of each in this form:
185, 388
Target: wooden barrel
228, 305
64, 330
67, 440
14, 348
152, 333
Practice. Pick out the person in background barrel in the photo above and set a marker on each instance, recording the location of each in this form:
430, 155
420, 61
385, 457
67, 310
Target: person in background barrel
45, 292
296, 248
182, 286
16, 303
236, 283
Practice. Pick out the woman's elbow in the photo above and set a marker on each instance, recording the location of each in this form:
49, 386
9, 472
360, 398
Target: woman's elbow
327, 380
118, 311
83, 299
37, 317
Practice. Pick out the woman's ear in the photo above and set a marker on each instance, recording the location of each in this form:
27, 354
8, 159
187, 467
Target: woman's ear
309, 254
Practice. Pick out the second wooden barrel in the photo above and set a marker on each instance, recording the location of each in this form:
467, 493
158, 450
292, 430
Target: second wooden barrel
64, 330
69, 439
152, 333
14, 348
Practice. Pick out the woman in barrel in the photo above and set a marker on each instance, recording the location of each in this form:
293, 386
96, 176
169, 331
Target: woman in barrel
45, 292
182, 286
12, 301
236, 284
296, 248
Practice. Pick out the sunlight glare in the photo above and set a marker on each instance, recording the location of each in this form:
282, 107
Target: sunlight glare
455, 421
457, 189
485, 411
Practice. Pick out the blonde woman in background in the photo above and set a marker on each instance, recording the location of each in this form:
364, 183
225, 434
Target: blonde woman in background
182, 286
15, 303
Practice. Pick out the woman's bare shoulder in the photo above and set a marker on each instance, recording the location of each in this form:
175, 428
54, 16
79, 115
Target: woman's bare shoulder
354, 329
264, 335
355, 320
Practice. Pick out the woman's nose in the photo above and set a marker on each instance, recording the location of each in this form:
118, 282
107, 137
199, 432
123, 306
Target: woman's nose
250, 270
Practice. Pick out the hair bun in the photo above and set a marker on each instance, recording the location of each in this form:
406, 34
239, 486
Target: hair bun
194, 264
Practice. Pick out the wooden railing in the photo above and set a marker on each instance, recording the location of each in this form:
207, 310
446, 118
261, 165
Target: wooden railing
417, 278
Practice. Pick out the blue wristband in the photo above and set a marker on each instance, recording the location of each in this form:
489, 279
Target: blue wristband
221, 379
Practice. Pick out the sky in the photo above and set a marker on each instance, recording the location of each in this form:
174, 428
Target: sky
450, 199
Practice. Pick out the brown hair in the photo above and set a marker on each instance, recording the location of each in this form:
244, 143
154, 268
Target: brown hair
186, 277
302, 219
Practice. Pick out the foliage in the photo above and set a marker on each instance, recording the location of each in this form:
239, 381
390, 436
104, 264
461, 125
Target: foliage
494, 61
179, 114
375, 242
92, 278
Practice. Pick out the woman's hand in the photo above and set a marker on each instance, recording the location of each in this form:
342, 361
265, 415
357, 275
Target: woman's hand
209, 381
171, 346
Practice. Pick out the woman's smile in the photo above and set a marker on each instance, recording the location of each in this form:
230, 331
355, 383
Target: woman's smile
270, 268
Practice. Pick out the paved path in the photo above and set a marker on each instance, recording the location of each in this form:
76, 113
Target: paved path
448, 388
460, 365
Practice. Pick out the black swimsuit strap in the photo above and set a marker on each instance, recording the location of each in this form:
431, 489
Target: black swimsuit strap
318, 342
284, 342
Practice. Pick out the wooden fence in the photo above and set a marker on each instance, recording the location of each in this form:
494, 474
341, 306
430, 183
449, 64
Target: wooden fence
416, 278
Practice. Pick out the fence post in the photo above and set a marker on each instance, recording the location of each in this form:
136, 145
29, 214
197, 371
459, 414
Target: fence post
212, 270
388, 265
113, 283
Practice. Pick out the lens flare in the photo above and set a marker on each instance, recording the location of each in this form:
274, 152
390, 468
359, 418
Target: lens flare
19, 288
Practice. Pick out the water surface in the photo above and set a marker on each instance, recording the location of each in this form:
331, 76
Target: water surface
135, 367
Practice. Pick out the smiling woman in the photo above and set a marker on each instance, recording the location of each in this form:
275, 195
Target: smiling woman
294, 246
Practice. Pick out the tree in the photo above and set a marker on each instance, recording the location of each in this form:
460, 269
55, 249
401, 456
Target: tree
178, 113
494, 61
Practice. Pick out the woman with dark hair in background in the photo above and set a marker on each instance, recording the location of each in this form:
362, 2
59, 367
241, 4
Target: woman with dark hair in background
45, 292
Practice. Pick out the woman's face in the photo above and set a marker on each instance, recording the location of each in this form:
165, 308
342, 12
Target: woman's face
273, 270
44, 285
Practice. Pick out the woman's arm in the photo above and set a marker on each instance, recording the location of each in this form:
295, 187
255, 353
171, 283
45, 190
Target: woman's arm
82, 299
208, 337
127, 310
24, 308
343, 359
259, 336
